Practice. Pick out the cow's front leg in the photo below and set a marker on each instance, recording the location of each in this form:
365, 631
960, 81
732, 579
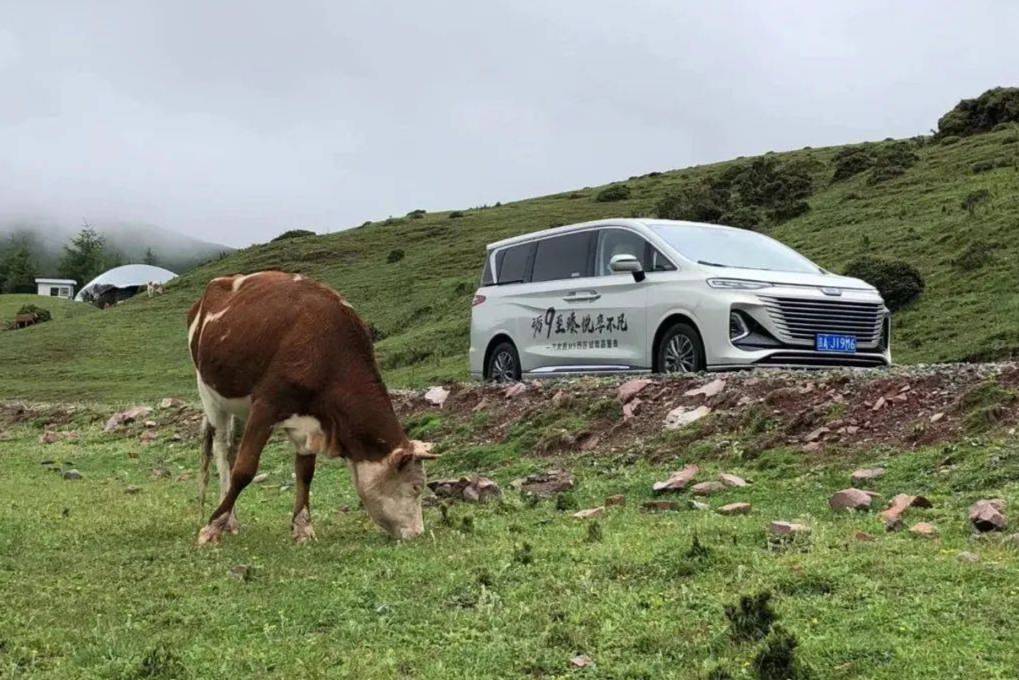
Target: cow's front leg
304, 471
256, 434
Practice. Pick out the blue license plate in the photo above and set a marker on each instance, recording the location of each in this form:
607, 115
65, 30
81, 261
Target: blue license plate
826, 342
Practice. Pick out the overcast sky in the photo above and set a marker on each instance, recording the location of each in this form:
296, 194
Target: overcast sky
232, 121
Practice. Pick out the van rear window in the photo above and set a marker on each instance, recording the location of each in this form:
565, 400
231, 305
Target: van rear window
511, 263
486, 274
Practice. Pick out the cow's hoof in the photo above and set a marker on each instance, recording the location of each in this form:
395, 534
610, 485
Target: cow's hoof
302, 529
232, 525
210, 535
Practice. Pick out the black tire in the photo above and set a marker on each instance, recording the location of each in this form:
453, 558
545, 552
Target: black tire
680, 350
503, 364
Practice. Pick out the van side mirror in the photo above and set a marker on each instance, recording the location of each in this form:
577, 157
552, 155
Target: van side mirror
627, 263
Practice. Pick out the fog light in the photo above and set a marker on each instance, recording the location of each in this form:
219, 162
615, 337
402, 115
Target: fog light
738, 328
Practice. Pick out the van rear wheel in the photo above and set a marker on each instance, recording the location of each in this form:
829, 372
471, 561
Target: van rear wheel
503, 364
681, 350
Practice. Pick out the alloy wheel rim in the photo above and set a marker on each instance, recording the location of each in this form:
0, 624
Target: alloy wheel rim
680, 355
504, 367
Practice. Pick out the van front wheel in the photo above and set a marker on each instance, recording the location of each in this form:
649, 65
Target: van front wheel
503, 364
680, 351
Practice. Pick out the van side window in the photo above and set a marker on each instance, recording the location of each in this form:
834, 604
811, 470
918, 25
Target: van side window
563, 257
486, 274
511, 263
614, 242
657, 262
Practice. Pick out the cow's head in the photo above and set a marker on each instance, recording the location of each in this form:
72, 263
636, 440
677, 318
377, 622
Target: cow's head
391, 488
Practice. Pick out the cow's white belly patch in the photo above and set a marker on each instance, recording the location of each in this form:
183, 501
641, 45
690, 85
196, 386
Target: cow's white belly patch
216, 405
306, 433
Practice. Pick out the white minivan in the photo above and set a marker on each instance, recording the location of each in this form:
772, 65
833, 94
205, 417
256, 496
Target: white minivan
643, 295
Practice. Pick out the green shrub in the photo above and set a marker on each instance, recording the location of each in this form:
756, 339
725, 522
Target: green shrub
293, 233
973, 116
455, 214
949, 140
891, 160
982, 166
850, 162
416, 214
898, 281
751, 619
394, 256
975, 198
617, 192
41, 314
777, 658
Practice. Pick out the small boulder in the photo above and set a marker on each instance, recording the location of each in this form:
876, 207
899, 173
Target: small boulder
514, 390
630, 389
899, 504
988, 515
546, 484
732, 480
816, 434
681, 416
49, 437
707, 488
936, 417
697, 505
678, 481
436, 396
630, 409
260, 478
879, 404
617, 501
241, 572
735, 509
131, 489
170, 402
590, 512
708, 390
661, 506
924, 529
481, 490
864, 537
71, 474
864, 475
850, 499
965, 556
786, 529
124, 417
581, 661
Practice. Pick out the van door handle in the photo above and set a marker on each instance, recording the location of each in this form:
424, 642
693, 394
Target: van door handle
582, 296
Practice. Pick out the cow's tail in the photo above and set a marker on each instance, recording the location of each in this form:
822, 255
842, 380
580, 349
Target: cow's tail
208, 433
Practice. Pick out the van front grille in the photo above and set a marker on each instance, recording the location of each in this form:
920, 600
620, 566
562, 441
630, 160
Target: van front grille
800, 319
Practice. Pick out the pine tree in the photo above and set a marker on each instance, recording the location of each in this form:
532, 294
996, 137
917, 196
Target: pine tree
85, 257
150, 257
19, 270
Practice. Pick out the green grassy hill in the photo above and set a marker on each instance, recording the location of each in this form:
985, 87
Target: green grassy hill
58, 307
421, 303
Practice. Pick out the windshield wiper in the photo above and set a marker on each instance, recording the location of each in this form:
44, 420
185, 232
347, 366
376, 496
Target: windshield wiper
711, 264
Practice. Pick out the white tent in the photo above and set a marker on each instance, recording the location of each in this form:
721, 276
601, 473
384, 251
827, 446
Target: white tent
128, 277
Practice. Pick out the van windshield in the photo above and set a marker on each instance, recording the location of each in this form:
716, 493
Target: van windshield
733, 248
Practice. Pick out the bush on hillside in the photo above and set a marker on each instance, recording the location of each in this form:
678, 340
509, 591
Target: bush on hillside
293, 233
982, 166
394, 256
898, 281
455, 214
975, 198
973, 116
850, 162
975, 256
743, 195
41, 314
618, 192
416, 214
892, 160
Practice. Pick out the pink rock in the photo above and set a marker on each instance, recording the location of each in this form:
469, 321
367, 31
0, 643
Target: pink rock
678, 480
732, 480
735, 509
879, 404
988, 515
124, 417
924, 529
590, 512
681, 416
514, 390
867, 475
850, 499
617, 501
631, 388
630, 409
436, 396
707, 488
789, 529
709, 390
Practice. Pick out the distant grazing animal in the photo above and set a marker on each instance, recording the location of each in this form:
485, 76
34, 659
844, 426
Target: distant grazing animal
153, 289
25, 320
276, 349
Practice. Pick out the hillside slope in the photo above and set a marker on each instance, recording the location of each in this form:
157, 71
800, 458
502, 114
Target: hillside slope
421, 303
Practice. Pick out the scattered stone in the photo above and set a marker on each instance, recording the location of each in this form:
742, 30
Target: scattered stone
436, 396
709, 390
899, 504
124, 417
590, 512
678, 480
630, 389
630, 409
148, 436
816, 434
864, 475
732, 480
966, 556
176, 437
924, 529
49, 437
170, 402
661, 506
850, 499
617, 501
697, 505
864, 537
481, 405
581, 661
784, 529
514, 390
131, 489
681, 416
71, 474
988, 515
260, 478
879, 404
735, 509
812, 447
481, 490
707, 488
936, 417
546, 484
150, 423
241, 572
588, 441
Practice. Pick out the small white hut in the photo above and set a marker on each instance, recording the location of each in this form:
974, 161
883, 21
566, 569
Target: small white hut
62, 288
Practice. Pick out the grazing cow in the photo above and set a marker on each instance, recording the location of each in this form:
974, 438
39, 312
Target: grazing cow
280, 350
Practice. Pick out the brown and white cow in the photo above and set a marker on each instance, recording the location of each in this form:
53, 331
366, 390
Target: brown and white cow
280, 350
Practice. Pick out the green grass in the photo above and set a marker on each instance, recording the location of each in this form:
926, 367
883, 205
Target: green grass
58, 307
422, 302
100, 583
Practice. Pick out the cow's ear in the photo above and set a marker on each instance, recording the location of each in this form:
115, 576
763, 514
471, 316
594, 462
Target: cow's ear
422, 450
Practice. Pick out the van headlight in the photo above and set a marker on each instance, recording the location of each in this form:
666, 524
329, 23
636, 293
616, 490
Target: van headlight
737, 284
738, 328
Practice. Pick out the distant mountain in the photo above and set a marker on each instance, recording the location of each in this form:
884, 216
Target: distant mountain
176, 252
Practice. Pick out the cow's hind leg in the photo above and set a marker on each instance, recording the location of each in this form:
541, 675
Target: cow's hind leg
304, 471
256, 434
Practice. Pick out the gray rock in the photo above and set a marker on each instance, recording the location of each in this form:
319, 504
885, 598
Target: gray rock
850, 499
71, 474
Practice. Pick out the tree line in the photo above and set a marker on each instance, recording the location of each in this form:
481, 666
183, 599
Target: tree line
85, 256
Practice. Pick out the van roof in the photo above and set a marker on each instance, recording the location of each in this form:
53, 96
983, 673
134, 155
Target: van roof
611, 222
